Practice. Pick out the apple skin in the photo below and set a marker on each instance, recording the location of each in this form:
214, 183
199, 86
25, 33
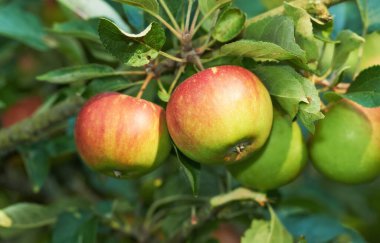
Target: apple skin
278, 162
346, 143
226, 233
21, 110
122, 136
220, 115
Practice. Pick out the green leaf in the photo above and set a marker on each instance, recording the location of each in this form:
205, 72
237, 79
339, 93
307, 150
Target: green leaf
257, 50
22, 26
132, 49
283, 85
77, 226
61, 145
164, 96
278, 30
147, 5
363, 9
267, 231
365, 90
77, 28
369, 10
70, 48
26, 216
191, 169
36, 163
2, 104
294, 93
238, 194
76, 73
208, 8
88, 9
108, 84
229, 24
270, 4
304, 30
348, 42
98, 51
309, 112
318, 227
373, 15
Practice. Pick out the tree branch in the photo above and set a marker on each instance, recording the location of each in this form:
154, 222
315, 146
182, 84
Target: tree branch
33, 128
299, 3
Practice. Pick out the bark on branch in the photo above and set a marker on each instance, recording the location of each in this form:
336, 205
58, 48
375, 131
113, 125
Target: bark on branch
33, 128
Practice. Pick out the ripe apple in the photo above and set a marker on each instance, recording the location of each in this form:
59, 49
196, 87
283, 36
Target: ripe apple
278, 162
346, 144
20, 110
122, 136
220, 115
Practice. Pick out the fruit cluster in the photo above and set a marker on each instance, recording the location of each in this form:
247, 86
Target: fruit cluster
224, 115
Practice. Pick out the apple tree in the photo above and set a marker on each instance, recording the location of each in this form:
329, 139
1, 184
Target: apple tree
189, 121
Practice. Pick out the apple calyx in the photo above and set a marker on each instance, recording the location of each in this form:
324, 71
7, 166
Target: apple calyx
239, 151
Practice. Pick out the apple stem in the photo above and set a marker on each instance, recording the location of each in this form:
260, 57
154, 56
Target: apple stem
189, 7
170, 15
178, 75
195, 18
148, 78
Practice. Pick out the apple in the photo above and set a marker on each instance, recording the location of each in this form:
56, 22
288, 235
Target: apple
122, 136
226, 233
346, 143
220, 115
21, 110
278, 162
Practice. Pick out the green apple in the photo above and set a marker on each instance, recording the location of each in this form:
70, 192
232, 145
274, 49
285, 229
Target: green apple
277, 163
220, 115
21, 110
346, 143
122, 136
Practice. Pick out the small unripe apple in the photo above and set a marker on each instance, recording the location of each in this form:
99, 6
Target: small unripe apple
20, 110
346, 143
220, 115
122, 136
278, 162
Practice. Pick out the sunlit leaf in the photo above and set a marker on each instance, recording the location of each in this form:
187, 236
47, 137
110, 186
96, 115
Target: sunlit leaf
132, 49
267, 231
229, 24
88, 9
238, 194
296, 94
278, 30
304, 30
257, 50
149, 5
348, 42
26, 216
